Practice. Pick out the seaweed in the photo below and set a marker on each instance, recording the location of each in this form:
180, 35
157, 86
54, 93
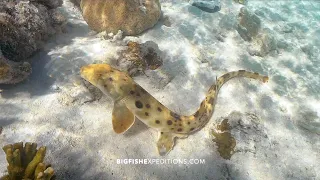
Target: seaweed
26, 162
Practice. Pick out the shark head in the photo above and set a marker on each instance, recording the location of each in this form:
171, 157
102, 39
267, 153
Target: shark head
109, 80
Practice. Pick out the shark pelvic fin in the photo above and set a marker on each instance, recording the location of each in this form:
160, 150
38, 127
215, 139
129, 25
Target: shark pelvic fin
122, 117
166, 142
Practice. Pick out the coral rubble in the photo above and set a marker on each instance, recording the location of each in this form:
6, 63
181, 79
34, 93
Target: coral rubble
26, 162
210, 6
249, 24
140, 57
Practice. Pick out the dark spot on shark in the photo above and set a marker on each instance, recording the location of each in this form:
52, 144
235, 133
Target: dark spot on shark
131, 92
169, 122
148, 106
105, 86
180, 124
191, 129
139, 104
158, 122
179, 130
110, 79
159, 109
242, 71
138, 94
146, 113
188, 122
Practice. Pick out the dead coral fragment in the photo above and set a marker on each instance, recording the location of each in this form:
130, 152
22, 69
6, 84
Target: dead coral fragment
26, 162
224, 140
140, 57
241, 1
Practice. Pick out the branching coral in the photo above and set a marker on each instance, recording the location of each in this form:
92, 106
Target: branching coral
26, 162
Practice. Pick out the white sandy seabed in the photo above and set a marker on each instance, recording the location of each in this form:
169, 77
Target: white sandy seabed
276, 125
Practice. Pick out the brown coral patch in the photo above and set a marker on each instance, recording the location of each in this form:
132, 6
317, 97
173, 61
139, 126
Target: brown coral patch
4, 70
224, 140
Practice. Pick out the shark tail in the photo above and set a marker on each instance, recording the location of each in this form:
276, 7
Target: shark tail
201, 117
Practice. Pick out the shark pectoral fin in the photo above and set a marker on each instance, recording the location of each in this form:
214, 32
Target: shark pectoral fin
122, 117
166, 142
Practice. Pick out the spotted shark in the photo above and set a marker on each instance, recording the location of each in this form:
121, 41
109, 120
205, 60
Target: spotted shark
131, 101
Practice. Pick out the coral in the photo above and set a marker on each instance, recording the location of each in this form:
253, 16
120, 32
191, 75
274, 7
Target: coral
130, 16
224, 140
249, 24
25, 25
241, 1
13, 72
263, 44
26, 162
140, 57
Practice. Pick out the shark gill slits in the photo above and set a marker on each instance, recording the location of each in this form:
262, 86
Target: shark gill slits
226, 76
143, 91
139, 104
159, 109
211, 100
148, 106
196, 114
169, 122
179, 130
146, 113
175, 115
157, 122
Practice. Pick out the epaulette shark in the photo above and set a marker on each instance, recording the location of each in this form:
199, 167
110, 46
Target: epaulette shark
131, 100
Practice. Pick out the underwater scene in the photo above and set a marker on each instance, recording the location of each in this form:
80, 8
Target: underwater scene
160, 89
